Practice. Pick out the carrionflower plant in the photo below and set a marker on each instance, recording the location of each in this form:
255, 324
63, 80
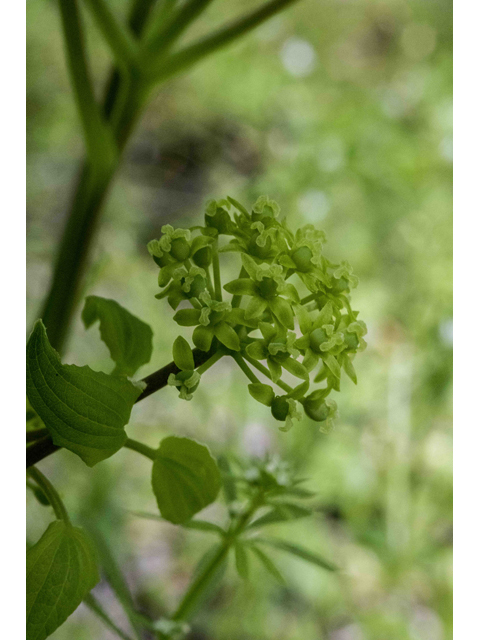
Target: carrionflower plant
266, 325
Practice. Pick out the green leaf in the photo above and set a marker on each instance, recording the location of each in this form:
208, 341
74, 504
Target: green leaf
229, 488
183, 355
281, 513
128, 339
112, 572
198, 525
268, 564
242, 286
349, 369
295, 368
283, 311
227, 336
202, 337
84, 410
298, 551
187, 317
61, 570
185, 478
333, 365
262, 393
241, 560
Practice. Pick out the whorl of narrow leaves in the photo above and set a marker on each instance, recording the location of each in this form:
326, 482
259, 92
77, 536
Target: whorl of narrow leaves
128, 339
61, 570
185, 478
84, 410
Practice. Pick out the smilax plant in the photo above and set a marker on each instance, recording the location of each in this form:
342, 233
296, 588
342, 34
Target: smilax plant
287, 317
286, 321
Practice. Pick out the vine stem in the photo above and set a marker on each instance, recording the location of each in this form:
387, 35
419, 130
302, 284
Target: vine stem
216, 271
210, 362
266, 373
49, 490
245, 368
139, 447
43, 447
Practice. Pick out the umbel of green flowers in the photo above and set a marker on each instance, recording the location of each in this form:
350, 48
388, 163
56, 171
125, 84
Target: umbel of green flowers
287, 319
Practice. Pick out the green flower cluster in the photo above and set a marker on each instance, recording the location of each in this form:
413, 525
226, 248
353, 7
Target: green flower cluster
289, 311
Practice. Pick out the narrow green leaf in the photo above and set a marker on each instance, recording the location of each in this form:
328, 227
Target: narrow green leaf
241, 560
298, 551
112, 572
242, 286
84, 410
349, 368
262, 393
183, 355
128, 339
199, 525
61, 570
333, 365
281, 513
229, 488
227, 336
283, 311
202, 337
187, 317
295, 368
268, 564
185, 478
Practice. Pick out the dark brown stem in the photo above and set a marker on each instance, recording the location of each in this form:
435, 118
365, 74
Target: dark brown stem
42, 448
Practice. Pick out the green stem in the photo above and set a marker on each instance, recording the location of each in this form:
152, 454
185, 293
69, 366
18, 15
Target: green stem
210, 362
216, 271
93, 604
266, 372
210, 288
188, 56
49, 490
246, 370
118, 36
161, 37
139, 447
237, 298
94, 183
309, 298
99, 141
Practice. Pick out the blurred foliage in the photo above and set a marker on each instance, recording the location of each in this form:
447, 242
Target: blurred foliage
340, 111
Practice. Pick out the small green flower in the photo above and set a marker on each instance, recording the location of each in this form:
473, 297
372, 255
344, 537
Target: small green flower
284, 409
267, 289
214, 319
174, 249
277, 348
320, 409
217, 217
186, 382
265, 208
186, 283
343, 278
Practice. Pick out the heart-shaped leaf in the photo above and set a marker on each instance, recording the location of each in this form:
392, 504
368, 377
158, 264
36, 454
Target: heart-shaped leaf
84, 410
185, 478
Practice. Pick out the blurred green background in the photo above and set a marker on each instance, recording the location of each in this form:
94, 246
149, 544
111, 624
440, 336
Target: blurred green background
340, 111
